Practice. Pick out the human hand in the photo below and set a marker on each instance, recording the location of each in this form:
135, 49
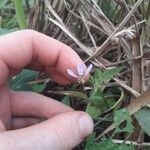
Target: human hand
21, 112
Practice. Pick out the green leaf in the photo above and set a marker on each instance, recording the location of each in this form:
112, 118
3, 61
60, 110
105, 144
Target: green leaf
100, 77
96, 103
2, 4
106, 144
108, 7
97, 78
110, 101
20, 13
38, 87
90, 144
21, 81
98, 74
143, 117
123, 121
93, 111
110, 73
66, 101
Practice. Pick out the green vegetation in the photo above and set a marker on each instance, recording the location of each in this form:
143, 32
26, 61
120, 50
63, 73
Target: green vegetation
19, 8
114, 35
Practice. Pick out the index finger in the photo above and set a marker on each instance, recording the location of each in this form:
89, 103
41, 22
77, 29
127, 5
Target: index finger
30, 48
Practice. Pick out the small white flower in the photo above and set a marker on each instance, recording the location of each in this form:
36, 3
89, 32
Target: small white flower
81, 72
127, 33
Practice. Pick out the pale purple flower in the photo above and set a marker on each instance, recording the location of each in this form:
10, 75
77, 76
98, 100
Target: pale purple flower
81, 72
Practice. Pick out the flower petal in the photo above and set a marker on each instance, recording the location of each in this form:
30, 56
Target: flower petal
71, 73
80, 69
88, 70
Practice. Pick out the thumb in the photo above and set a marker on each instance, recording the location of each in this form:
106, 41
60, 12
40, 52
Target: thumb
61, 132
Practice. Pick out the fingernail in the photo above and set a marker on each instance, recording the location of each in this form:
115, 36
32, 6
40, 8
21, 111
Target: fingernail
86, 125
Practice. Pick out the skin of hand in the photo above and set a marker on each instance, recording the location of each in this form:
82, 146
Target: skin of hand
21, 112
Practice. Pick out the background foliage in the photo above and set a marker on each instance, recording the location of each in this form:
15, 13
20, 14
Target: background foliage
114, 36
